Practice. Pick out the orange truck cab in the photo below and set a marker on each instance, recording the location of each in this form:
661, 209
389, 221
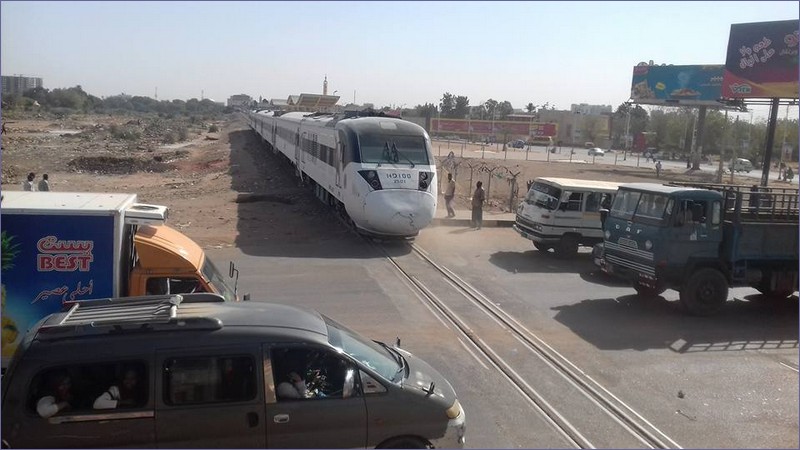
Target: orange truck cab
60, 247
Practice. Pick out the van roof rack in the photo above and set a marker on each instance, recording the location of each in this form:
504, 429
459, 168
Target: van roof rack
145, 313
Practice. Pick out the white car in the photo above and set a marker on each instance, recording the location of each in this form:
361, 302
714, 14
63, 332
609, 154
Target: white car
596, 152
740, 165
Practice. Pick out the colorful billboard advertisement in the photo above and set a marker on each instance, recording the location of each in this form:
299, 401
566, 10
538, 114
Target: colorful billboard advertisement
677, 85
52, 260
762, 60
498, 127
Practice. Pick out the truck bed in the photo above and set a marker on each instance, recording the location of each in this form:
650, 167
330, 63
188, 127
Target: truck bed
760, 240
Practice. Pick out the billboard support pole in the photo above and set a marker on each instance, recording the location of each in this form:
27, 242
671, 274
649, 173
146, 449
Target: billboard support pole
773, 119
698, 142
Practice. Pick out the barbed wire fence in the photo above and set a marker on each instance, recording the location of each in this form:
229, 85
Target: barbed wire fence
503, 195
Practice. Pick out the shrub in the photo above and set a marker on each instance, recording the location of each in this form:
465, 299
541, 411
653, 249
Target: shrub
213, 129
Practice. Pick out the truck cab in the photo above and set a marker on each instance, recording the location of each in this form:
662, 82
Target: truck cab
167, 262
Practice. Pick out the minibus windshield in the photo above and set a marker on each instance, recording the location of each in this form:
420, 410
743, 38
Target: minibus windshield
544, 196
377, 357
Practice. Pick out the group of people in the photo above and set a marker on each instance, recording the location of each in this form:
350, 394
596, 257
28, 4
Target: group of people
478, 197
126, 393
43, 186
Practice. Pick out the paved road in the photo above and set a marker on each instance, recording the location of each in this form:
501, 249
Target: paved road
727, 381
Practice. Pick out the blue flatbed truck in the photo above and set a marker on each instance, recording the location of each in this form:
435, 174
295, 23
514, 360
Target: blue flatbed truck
701, 239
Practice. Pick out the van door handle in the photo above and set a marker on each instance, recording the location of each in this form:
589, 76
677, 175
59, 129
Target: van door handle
252, 419
281, 418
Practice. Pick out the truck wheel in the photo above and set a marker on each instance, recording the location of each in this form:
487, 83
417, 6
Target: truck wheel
541, 247
647, 291
705, 292
568, 247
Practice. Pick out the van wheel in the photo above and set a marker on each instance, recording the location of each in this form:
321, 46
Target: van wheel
568, 247
705, 292
541, 247
405, 442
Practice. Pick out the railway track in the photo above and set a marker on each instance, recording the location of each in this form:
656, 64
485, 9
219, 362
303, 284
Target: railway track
494, 321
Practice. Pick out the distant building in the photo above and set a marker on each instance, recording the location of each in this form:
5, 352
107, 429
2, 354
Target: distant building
17, 84
592, 110
239, 100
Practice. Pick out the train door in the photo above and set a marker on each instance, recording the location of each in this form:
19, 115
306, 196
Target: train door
339, 157
297, 152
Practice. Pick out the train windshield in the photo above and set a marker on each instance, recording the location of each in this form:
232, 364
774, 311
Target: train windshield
393, 149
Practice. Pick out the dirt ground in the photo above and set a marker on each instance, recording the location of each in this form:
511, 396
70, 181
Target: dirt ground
224, 187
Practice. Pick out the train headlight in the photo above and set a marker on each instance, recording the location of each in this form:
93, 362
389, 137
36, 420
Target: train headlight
372, 179
424, 180
648, 245
607, 234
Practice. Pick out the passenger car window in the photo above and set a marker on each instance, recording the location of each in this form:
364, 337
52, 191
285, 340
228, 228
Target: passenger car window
84, 387
305, 373
195, 380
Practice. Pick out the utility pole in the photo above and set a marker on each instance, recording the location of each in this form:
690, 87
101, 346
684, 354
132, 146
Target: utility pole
627, 133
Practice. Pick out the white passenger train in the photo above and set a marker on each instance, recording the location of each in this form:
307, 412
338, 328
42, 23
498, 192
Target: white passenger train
377, 171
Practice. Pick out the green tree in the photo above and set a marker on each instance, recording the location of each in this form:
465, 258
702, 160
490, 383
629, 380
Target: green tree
504, 109
461, 108
531, 108
447, 105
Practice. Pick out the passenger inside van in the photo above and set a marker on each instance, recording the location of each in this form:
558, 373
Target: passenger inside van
127, 392
59, 397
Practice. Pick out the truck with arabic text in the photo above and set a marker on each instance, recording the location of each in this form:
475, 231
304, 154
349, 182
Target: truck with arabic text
59, 247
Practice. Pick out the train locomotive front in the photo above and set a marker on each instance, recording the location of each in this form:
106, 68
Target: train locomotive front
391, 175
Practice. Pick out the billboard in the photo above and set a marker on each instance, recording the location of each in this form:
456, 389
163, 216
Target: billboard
762, 60
497, 127
677, 85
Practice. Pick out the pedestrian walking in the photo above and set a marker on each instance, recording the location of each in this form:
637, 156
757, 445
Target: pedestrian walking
449, 194
658, 169
477, 205
44, 185
27, 185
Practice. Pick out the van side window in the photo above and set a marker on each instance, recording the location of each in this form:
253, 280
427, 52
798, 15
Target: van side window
593, 202
574, 202
77, 388
304, 373
212, 379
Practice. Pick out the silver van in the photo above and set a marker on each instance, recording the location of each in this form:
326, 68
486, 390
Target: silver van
740, 165
193, 371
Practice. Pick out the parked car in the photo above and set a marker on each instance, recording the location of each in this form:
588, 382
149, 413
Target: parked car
596, 152
519, 143
740, 165
201, 372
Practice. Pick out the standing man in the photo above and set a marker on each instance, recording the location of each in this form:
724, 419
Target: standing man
27, 185
658, 169
449, 194
44, 185
477, 205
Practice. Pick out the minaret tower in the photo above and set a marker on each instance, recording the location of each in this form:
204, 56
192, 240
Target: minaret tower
325, 86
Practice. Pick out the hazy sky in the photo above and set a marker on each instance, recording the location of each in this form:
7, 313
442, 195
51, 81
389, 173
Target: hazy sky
388, 53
